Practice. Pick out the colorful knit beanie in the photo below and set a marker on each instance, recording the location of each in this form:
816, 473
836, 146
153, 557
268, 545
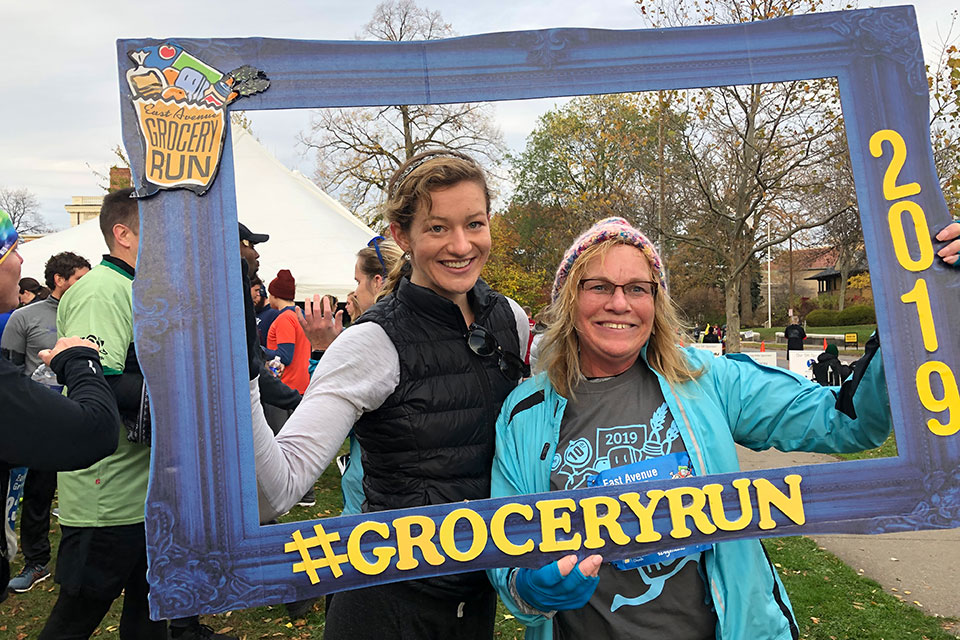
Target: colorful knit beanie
605, 230
8, 236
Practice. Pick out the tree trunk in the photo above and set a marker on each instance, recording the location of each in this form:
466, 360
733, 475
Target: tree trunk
732, 299
790, 306
407, 131
844, 275
746, 300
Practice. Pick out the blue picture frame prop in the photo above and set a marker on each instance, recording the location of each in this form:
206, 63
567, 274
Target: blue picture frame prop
207, 551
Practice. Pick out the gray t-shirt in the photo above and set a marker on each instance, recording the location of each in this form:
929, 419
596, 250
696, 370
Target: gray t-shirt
30, 330
613, 422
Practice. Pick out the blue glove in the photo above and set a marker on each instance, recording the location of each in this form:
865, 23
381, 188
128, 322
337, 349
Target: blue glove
547, 590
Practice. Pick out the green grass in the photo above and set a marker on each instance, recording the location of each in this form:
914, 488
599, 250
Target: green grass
831, 601
887, 450
22, 615
863, 332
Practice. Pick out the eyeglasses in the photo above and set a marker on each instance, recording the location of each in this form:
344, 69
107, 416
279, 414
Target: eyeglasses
375, 243
636, 290
484, 344
246, 243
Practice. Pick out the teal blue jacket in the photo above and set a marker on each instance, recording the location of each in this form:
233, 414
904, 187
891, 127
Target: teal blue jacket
735, 400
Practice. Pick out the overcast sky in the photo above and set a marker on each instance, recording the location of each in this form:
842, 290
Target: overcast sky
60, 105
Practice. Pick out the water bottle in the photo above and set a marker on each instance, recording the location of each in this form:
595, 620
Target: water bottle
274, 367
47, 377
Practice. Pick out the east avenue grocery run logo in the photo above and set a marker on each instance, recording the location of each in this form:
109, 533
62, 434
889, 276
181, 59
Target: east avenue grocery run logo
181, 104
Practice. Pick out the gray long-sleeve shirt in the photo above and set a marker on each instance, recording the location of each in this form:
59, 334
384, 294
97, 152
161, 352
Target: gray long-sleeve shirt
30, 329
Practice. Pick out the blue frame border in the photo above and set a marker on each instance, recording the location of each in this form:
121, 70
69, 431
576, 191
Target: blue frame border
206, 550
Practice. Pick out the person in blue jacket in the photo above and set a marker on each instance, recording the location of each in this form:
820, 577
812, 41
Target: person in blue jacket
615, 387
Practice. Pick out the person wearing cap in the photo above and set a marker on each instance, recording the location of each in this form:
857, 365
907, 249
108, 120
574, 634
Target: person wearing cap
248, 241
279, 397
286, 337
614, 387
287, 340
248, 251
828, 370
39, 427
265, 313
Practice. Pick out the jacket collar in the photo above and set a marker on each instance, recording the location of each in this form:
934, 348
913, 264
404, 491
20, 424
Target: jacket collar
428, 303
118, 265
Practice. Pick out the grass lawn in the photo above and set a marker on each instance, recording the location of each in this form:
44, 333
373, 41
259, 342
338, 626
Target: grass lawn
863, 332
831, 601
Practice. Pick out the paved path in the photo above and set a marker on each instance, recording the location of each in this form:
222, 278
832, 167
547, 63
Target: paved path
920, 567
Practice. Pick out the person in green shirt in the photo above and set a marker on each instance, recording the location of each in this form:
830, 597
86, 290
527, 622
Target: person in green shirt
103, 548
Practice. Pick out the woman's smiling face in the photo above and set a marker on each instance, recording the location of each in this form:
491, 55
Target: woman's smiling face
613, 329
450, 243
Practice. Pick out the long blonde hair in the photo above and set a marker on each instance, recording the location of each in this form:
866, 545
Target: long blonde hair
408, 192
560, 350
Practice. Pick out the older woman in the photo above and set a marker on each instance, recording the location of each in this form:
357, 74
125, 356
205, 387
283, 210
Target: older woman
617, 388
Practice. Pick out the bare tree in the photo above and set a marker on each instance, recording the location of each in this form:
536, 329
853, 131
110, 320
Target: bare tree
943, 77
23, 207
844, 233
358, 149
750, 151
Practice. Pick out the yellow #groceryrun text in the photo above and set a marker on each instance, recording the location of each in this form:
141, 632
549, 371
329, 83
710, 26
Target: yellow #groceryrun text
701, 507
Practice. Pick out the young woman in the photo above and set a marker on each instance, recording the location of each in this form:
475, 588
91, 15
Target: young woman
374, 263
612, 365
408, 380
322, 325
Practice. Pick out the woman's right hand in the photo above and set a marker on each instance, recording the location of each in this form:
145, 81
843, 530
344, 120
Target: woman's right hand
561, 585
319, 322
951, 252
47, 355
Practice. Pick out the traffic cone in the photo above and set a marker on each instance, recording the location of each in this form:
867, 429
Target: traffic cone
824, 344
763, 346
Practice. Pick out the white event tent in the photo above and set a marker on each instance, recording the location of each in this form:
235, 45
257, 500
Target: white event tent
311, 234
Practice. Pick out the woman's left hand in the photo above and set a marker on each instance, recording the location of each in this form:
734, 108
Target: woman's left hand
319, 322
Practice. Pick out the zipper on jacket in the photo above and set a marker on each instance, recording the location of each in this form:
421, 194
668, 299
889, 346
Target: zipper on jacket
481, 371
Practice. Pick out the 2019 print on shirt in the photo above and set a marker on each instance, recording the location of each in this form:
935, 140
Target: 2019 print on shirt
207, 550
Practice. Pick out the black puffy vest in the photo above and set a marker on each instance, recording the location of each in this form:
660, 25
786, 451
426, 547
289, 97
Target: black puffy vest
432, 440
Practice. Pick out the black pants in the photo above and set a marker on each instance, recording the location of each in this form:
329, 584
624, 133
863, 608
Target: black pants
94, 566
34, 517
276, 417
399, 611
